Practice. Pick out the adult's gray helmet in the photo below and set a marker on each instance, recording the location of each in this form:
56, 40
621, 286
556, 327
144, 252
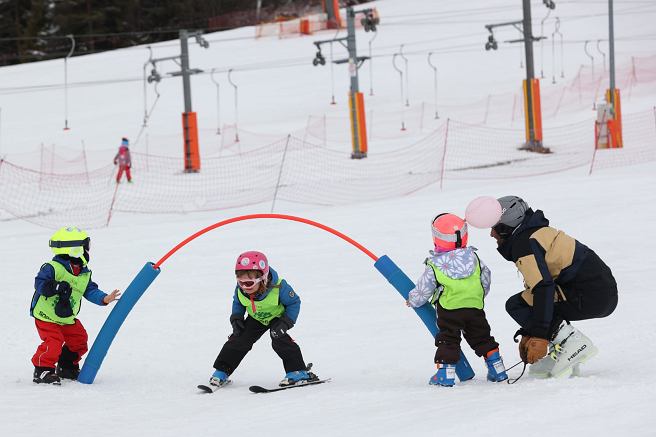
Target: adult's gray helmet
513, 210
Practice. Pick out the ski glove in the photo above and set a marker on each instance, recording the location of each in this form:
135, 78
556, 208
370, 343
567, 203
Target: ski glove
536, 348
49, 288
63, 306
63, 289
280, 326
238, 325
523, 348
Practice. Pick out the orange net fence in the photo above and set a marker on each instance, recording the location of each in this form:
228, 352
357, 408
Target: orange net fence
301, 170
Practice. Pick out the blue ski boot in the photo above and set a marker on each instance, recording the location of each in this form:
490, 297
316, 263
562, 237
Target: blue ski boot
297, 377
496, 371
445, 376
219, 378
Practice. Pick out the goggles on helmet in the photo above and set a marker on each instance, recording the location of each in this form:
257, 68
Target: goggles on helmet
75, 243
76, 248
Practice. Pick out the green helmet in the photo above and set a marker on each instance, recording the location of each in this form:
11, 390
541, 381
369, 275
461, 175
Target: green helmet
70, 241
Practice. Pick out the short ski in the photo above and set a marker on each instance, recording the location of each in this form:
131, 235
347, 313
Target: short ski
211, 388
259, 389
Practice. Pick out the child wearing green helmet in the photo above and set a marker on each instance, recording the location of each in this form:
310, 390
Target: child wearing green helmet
58, 290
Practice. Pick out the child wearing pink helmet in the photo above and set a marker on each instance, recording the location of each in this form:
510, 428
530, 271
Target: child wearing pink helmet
271, 304
123, 160
456, 281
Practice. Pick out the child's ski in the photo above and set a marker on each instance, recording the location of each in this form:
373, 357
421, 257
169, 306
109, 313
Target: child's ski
211, 388
259, 389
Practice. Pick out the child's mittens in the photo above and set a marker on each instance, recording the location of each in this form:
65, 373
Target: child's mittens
63, 306
63, 289
280, 326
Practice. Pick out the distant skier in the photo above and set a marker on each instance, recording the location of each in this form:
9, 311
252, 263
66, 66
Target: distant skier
272, 305
123, 160
564, 281
59, 287
456, 281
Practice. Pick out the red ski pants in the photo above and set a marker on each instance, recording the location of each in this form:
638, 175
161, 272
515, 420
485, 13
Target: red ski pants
121, 169
55, 336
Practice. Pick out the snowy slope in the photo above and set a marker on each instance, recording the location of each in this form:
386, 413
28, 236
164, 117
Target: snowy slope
353, 325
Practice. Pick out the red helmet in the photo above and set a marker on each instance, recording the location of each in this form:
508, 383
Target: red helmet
449, 232
253, 260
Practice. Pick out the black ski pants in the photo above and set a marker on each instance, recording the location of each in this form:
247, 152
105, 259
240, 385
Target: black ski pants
474, 327
237, 346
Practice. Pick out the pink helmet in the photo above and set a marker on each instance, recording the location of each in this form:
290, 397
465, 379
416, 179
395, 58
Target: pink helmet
253, 260
449, 232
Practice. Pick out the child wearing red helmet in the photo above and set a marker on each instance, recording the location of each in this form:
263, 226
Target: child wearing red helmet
271, 305
456, 281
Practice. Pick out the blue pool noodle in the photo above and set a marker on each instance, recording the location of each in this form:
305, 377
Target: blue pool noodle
135, 290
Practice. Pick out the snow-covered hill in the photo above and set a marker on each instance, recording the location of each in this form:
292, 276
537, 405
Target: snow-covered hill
353, 325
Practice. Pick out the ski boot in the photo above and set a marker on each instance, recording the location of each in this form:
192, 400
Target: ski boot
219, 378
68, 372
46, 375
543, 367
571, 348
445, 376
567, 351
496, 371
66, 369
298, 377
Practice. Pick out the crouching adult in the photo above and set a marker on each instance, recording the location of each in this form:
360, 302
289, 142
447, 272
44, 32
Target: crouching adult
564, 281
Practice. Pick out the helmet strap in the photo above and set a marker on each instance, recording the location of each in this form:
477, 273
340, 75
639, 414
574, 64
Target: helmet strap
458, 239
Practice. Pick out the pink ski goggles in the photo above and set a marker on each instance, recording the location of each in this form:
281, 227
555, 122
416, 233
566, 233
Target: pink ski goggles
249, 283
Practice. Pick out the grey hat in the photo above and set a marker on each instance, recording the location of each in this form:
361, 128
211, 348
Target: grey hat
513, 210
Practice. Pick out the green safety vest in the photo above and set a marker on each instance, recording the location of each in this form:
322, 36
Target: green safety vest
45, 306
266, 309
459, 293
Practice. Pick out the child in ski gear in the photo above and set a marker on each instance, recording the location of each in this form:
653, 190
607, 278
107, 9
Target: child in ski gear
456, 281
58, 290
123, 160
272, 305
564, 280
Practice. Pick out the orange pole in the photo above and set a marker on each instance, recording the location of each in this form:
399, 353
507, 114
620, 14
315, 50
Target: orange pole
190, 134
362, 123
615, 124
537, 111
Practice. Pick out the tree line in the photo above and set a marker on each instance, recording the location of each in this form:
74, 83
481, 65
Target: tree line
35, 30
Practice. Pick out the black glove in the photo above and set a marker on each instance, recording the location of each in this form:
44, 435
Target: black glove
238, 325
63, 307
63, 289
49, 288
279, 327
